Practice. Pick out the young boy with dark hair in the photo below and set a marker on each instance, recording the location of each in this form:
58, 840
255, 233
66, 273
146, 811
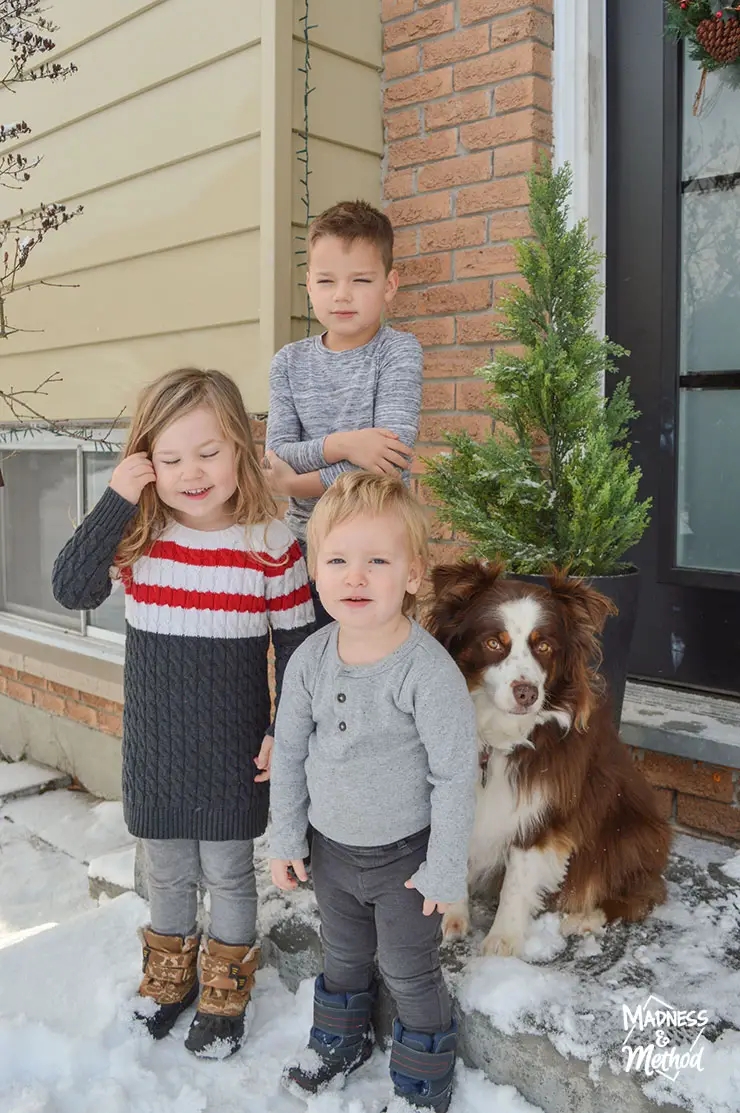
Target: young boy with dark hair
350, 397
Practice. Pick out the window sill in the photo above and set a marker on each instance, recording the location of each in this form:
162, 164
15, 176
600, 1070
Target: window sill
85, 664
104, 649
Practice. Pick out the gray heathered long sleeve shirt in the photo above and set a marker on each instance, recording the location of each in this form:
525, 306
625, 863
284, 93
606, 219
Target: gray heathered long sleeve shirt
371, 754
315, 392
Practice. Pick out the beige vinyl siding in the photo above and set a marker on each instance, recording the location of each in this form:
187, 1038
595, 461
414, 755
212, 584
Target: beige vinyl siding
199, 198
157, 135
162, 44
178, 135
102, 378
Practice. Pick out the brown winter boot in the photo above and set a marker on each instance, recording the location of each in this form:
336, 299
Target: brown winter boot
227, 978
170, 978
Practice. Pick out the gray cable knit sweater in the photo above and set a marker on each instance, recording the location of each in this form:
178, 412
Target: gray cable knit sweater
371, 754
199, 610
315, 391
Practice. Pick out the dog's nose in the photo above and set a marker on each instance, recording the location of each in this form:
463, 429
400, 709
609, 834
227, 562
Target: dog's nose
524, 694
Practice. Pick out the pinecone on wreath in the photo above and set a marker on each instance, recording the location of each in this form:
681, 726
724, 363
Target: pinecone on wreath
720, 38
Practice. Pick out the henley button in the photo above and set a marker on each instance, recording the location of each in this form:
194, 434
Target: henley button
342, 726
341, 697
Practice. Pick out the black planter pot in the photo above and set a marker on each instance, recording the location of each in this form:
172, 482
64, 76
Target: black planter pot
616, 640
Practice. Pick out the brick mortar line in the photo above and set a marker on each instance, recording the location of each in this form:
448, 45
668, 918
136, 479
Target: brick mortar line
392, 82
466, 151
410, 15
431, 133
423, 103
416, 286
396, 19
492, 85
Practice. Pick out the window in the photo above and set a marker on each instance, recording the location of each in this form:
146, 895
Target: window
708, 511
50, 484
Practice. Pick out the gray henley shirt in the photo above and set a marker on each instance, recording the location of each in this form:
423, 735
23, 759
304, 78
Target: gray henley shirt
315, 392
371, 754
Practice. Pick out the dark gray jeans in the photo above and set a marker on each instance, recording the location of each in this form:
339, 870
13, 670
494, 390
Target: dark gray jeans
365, 909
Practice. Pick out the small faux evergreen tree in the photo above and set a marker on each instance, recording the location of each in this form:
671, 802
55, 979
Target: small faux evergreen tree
554, 483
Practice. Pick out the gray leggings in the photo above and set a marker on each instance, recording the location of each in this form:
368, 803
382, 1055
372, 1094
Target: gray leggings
364, 908
175, 869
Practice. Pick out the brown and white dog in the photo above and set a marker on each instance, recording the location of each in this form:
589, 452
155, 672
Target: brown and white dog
561, 808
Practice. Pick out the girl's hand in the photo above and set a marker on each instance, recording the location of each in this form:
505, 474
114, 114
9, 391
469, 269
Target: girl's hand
278, 474
430, 905
132, 475
282, 877
263, 760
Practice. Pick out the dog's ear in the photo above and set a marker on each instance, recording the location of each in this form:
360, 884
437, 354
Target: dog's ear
586, 605
454, 586
584, 611
462, 580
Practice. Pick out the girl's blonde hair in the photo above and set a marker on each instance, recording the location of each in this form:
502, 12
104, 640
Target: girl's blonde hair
360, 492
165, 400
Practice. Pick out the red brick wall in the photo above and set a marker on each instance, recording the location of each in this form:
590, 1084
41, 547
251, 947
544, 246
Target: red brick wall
696, 796
468, 108
69, 703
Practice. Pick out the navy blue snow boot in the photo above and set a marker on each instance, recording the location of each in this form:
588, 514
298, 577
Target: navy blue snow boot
340, 1041
422, 1066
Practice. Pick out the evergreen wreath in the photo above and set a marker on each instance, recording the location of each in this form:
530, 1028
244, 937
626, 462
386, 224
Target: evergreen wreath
712, 31
554, 484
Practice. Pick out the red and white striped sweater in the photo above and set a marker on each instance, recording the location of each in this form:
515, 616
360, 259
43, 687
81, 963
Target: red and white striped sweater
232, 583
200, 610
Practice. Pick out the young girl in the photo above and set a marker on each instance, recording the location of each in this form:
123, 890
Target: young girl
189, 527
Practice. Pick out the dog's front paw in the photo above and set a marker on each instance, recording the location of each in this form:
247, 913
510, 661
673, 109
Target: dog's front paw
505, 945
455, 923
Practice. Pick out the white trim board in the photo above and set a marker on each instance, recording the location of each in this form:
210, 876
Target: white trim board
579, 111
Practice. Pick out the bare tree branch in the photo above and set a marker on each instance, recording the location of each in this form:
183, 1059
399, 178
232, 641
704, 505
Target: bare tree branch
27, 33
29, 418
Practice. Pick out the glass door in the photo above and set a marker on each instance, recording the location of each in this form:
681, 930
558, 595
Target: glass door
708, 491
673, 299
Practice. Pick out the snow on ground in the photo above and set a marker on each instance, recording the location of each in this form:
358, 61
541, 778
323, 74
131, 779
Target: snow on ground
69, 970
117, 867
68, 975
573, 992
74, 822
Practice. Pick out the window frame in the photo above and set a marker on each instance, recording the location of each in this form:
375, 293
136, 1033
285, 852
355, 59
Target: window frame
17, 619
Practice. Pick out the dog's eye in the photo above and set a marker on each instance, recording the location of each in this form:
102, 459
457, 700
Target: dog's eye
494, 644
544, 647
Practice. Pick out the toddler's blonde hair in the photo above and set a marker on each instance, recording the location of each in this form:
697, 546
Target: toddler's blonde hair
165, 400
364, 493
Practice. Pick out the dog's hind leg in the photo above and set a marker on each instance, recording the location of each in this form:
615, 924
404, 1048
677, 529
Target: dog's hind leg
581, 923
635, 905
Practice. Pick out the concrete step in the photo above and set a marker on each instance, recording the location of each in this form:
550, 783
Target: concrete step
554, 1026
26, 778
89, 830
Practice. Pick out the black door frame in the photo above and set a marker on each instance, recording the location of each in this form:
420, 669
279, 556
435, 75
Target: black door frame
689, 622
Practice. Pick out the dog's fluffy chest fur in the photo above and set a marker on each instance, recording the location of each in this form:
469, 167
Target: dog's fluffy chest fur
502, 814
